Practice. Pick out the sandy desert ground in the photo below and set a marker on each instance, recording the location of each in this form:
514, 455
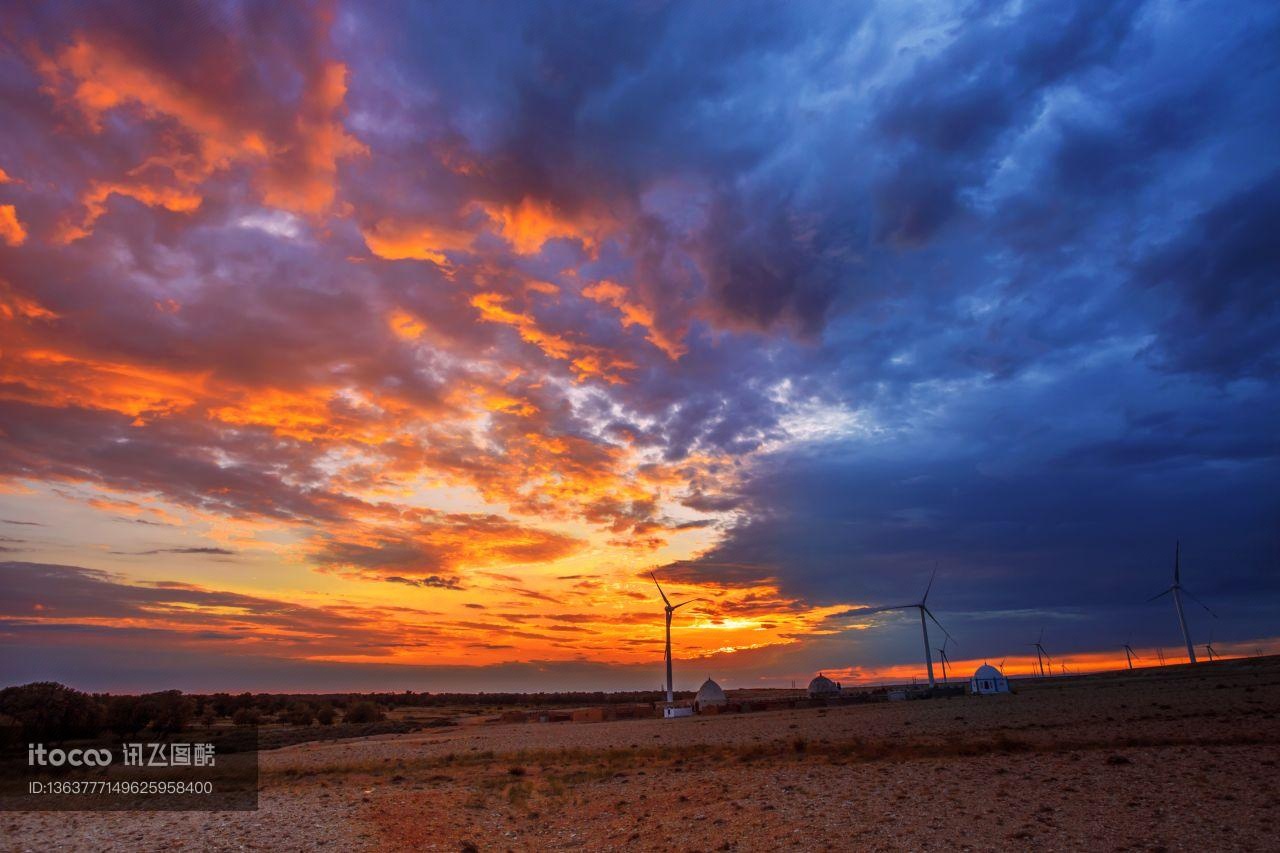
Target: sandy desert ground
1169, 759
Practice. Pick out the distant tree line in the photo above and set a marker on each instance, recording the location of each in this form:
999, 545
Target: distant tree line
48, 711
410, 699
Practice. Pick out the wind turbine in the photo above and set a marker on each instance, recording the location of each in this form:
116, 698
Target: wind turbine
924, 626
1208, 647
942, 656
1130, 654
1177, 591
1041, 654
670, 608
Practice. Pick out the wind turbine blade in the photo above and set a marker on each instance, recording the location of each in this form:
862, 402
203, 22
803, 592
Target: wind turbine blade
1177, 560
1201, 603
659, 586
1160, 595
929, 613
867, 611
930, 584
688, 601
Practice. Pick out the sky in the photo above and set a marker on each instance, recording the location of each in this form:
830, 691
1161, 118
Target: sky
351, 346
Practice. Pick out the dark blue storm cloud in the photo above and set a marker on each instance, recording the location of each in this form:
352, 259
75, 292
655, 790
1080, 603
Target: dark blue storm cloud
1031, 255
1020, 254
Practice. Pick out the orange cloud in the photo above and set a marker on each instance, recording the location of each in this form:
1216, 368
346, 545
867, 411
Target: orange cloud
130, 508
51, 378
14, 305
404, 325
492, 308
297, 171
175, 199
300, 415
527, 226
430, 543
302, 173
12, 230
398, 241
544, 474
326, 414
600, 364
634, 314
498, 402
531, 223
585, 361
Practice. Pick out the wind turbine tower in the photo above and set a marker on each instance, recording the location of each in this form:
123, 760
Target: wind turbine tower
942, 657
1177, 591
670, 608
923, 607
1041, 654
1208, 647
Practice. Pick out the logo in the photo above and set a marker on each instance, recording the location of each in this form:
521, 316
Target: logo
39, 756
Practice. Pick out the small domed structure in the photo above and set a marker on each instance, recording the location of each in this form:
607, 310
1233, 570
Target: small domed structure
988, 679
709, 694
821, 687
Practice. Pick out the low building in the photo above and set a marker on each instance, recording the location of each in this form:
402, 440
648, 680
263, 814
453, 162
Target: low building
987, 679
709, 694
672, 711
823, 687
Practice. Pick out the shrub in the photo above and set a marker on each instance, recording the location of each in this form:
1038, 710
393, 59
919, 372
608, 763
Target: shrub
325, 714
246, 717
126, 715
299, 714
364, 712
168, 711
47, 710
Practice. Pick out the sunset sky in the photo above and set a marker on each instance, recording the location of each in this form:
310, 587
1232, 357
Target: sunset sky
351, 346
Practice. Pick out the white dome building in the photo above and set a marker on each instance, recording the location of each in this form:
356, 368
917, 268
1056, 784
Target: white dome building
987, 679
822, 687
709, 694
